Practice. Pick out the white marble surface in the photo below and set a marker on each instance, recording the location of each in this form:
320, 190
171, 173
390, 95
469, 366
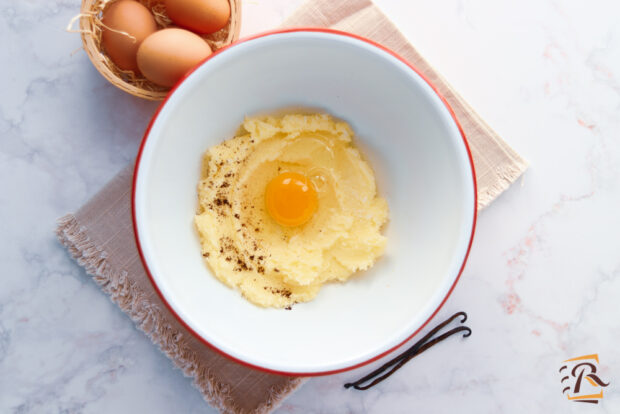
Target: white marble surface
542, 283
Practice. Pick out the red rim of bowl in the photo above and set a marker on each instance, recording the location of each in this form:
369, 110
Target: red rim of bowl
137, 167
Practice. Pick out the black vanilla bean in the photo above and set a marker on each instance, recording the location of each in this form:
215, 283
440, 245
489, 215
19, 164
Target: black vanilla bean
416, 349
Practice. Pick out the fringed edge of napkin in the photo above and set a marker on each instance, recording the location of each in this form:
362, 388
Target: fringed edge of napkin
506, 175
147, 318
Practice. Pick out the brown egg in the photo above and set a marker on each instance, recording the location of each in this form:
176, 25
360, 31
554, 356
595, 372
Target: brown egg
133, 18
168, 54
201, 16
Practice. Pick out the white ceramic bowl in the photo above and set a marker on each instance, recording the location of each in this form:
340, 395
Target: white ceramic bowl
423, 169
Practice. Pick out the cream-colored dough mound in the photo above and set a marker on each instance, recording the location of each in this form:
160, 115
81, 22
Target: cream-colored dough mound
273, 265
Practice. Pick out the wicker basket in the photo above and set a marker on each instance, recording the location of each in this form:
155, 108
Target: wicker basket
90, 28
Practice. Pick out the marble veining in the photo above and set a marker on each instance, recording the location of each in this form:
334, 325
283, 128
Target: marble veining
541, 285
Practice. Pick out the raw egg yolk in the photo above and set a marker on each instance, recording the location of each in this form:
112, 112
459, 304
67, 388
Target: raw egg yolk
291, 199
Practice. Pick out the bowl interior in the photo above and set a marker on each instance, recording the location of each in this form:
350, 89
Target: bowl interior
422, 168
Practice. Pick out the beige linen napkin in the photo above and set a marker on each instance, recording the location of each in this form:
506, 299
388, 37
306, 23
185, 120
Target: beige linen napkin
100, 235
